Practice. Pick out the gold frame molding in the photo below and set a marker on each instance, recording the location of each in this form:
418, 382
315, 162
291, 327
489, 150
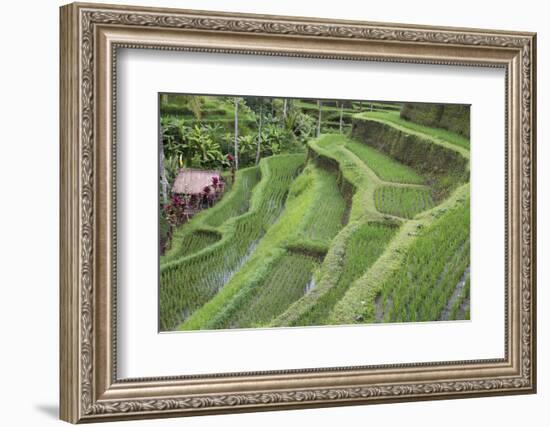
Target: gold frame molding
90, 37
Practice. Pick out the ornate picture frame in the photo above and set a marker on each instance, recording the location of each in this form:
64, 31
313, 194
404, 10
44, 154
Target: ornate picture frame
90, 37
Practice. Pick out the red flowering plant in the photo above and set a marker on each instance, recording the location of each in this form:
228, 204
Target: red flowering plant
175, 210
217, 184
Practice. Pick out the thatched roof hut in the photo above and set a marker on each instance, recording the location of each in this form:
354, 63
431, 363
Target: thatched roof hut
192, 181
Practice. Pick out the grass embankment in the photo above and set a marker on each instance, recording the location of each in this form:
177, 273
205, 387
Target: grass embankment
455, 118
437, 133
201, 230
187, 283
330, 151
291, 249
384, 166
444, 164
330, 106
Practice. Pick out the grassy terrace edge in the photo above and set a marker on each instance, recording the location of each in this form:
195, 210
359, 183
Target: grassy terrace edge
392, 117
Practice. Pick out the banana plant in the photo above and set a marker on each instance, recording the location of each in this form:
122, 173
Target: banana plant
274, 137
247, 148
205, 150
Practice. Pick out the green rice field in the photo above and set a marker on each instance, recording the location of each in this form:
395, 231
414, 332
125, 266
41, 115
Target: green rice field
326, 228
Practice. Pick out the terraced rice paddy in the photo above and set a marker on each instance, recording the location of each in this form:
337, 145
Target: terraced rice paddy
292, 237
431, 270
404, 202
345, 234
363, 248
238, 201
283, 284
385, 167
188, 282
442, 134
196, 241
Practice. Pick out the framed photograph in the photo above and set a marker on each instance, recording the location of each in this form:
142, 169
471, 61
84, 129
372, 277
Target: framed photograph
267, 212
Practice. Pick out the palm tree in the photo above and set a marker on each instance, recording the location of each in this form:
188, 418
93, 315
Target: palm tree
319, 104
236, 133
341, 114
195, 105
260, 131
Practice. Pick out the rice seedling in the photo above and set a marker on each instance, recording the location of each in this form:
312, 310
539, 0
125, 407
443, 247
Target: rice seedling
197, 240
238, 201
324, 217
404, 202
363, 248
283, 284
433, 265
460, 310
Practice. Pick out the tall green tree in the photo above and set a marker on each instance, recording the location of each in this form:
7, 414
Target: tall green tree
258, 104
259, 142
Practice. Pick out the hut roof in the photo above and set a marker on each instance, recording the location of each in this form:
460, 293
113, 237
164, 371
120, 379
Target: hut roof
193, 181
